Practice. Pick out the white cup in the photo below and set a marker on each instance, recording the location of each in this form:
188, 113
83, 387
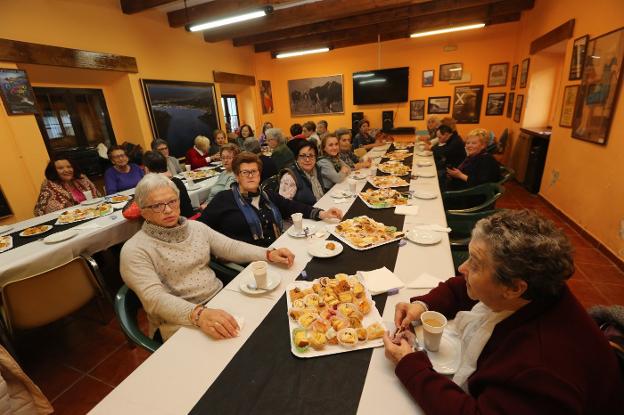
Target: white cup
187, 167
259, 270
352, 184
297, 220
421, 146
433, 327
189, 179
88, 194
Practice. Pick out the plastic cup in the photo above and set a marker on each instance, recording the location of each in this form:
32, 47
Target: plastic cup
352, 185
433, 327
297, 219
88, 194
187, 167
259, 270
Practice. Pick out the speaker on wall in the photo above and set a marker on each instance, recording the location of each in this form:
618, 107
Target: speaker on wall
356, 117
387, 120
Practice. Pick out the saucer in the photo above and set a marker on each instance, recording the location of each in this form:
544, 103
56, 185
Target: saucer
92, 201
272, 283
320, 251
424, 173
424, 194
60, 236
424, 153
447, 359
291, 231
424, 237
341, 194
424, 163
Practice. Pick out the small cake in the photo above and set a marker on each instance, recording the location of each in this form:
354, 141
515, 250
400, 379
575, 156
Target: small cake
330, 245
317, 340
375, 331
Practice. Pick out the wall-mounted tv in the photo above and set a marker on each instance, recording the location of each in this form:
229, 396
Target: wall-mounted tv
380, 86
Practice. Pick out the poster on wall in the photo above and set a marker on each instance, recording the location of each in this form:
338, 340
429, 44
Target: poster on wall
467, 104
514, 77
451, 71
524, 73
567, 107
17, 94
579, 49
497, 75
439, 105
315, 96
495, 104
266, 96
180, 111
417, 110
518, 109
510, 104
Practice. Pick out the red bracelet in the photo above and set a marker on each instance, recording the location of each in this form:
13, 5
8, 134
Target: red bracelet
267, 254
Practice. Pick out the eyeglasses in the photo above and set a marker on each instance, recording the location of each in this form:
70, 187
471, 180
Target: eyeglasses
307, 156
227, 158
162, 148
160, 207
249, 173
118, 156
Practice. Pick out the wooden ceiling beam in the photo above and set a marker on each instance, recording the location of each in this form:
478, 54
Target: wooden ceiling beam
136, 6
215, 9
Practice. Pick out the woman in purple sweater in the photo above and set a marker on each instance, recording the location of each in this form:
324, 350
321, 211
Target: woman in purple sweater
122, 175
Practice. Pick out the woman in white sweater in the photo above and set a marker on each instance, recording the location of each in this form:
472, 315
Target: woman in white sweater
166, 263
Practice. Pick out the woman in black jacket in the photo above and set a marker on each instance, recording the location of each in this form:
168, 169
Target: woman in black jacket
478, 167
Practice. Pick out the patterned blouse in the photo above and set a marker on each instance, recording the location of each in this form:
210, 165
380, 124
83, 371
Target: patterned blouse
54, 196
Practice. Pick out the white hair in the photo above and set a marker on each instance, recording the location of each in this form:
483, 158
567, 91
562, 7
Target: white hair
148, 184
275, 133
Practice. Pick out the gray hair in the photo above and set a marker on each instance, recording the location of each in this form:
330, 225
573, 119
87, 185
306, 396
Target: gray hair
342, 131
157, 142
148, 184
525, 246
252, 145
277, 134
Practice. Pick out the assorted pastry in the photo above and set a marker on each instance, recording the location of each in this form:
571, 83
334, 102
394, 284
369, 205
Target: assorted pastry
119, 198
398, 155
35, 230
6, 243
363, 232
387, 181
76, 215
383, 198
397, 169
200, 174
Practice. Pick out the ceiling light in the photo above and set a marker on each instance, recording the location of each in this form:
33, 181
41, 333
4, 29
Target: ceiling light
300, 53
229, 20
448, 30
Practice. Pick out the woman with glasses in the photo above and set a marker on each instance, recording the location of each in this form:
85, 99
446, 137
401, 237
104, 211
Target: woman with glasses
302, 180
173, 165
123, 175
333, 169
225, 179
155, 162
247, 214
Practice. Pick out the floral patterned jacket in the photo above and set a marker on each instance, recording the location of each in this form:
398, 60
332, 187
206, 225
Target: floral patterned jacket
54, 196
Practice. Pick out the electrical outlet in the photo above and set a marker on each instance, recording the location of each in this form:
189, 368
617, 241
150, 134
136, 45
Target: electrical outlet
554, 176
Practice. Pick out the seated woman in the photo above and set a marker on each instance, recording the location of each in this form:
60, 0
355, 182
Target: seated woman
479, 166
123, 175
63, 187
226, 177
244, 132
346, 151
265, 126
268, 166
173, 165
333, 169
449, 152
302, 181
281, 154
154, 162
528, 345
197, 156
219, 138
245, 214
296, 137
363, 139
166, 263
433, 123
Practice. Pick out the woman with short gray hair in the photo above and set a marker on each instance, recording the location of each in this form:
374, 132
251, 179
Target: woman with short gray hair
173, 165
527, 344
281, 154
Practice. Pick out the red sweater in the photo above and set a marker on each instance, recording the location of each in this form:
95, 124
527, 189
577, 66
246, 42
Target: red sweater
195, 159
546, 358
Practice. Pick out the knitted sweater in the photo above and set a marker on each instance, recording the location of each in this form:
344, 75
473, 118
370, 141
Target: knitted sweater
168, 269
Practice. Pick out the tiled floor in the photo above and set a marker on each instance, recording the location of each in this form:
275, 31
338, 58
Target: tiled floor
79, 360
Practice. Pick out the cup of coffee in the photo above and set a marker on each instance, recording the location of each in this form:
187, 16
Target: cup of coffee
187, 167
297, 220
259, 269
88, 194
433, 327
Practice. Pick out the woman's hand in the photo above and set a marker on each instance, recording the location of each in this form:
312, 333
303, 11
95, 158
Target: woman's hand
215, 157
405, 313
456, 173
345, 170
218, 324
331, 213
281, 256
396, 352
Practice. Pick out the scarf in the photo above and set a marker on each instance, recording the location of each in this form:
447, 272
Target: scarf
336, 162
251, 217
317, 187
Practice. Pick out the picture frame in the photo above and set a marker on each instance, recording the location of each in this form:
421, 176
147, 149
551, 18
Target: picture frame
497, 74
599, 89
495, 103
316, 96
518, 108
427, 77
439, 105
266, 97
579, 50
417, 110
179, 111
567, 106
467, 104
17, 93
510, 103
524, 72
514, 76
451, 72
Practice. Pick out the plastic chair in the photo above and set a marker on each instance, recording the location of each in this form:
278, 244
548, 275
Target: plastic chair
506, 174
474, 199
462, 225
271, 184
226, 272
127, 305
459, 257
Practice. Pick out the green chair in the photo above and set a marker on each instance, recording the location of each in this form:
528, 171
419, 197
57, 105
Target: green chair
459, 257
271, 184
506, 174
473, 199
462, 224
127, 305
226, 272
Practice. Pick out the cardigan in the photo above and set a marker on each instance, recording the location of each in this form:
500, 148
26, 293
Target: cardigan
173, 165
196, 159
186, 207
54, 196
282, 156
116, 181
450, 154
328, 172
269, 168
481, 168
548, 357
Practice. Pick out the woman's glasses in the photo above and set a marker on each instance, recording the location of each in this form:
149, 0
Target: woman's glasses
249, 173
160, 207
307, 156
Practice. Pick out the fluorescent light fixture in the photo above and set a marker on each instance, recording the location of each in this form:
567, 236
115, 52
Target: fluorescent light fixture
455, 69
363, 75
448, 30
373, 81
300, 53
227, 21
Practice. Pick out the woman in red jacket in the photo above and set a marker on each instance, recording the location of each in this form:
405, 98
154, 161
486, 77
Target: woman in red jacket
197, 156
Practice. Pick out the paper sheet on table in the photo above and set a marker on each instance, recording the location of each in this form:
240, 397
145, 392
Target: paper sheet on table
380, 280
424, 280
406, 210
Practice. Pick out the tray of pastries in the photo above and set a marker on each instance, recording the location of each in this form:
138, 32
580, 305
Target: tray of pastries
394, 168
398, 155
35, 230
382, 198
200, 174
6, 243
80, 214
387, 181
362, 233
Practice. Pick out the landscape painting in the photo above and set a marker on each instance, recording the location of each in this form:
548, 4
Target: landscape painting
314, 96
16, 92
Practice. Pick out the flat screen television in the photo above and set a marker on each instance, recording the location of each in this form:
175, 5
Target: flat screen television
380, 86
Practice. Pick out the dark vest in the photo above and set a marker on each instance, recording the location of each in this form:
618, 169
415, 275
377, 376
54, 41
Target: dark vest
304, 187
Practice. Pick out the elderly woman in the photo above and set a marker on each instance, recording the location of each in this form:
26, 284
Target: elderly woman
244, 132
166, 263
433, 123
122, 175
302, 181
197, 156
281, 154
478, 167
155, 162
225, 179
268, 166
173, 165
346, 151
63, 187
219, 138
363, 138
528, 345
247, 214
333, 169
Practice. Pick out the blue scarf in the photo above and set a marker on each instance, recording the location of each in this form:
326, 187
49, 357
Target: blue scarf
252, 218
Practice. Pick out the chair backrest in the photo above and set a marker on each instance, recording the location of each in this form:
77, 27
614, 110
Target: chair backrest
127, 305
506, 174
473, 199
463, 223
271, 184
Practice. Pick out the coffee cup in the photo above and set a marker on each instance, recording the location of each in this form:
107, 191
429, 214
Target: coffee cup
187, 167
297, 219
352, 185
88, 194
259, 270
433, 326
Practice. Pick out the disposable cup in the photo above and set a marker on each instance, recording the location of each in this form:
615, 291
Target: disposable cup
352, 185
433, 326
88, 194
259, 270
297, 219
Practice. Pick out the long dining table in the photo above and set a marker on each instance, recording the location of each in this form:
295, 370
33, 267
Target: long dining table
256, 371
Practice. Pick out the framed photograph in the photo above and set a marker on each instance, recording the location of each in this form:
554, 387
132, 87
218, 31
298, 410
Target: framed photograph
451, 71
514, 76
427, 77
567, 107
600, 85
524, 73
510, 104
266, 96
579, 49
467, 104
180, 111
417, 110
518, 108
315, 96
495, 104
497, 75
17, 94
439, 105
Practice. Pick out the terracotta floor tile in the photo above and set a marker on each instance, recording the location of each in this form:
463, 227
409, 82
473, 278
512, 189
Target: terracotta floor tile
586, 293
614, 293
52, 377
597, 273
117, 367
81, 398
590, 256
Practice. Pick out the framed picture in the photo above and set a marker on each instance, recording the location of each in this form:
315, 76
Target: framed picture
17, 94
427, 77
315, 96
497, 75
510, 104
579, 48
514, 76
518, 108
467, 104
266, 96
180, 111
417, 110
567, 107
495, 104
439, 105
524, 73
600, 85
451, 71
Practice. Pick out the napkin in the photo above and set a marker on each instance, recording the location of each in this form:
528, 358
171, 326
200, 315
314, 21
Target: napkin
406, 210
88, 225
380, 280
424, 280
432, 227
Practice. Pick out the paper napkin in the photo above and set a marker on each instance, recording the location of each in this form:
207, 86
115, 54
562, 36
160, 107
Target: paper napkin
424, 280
380, 280
88, 225
406, 210
432, 227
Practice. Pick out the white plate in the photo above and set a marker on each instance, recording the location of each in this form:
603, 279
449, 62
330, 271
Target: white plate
273, 282
425, 153
5, 229
448, 357
424, 163
291, 231
341, 194
60, 236
424, 237
8, 240
92, 201
318, 249
359, 176
424, 173
424, 194
44, 230
216, 163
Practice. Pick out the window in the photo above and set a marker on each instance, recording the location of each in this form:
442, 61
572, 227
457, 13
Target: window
230, 108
